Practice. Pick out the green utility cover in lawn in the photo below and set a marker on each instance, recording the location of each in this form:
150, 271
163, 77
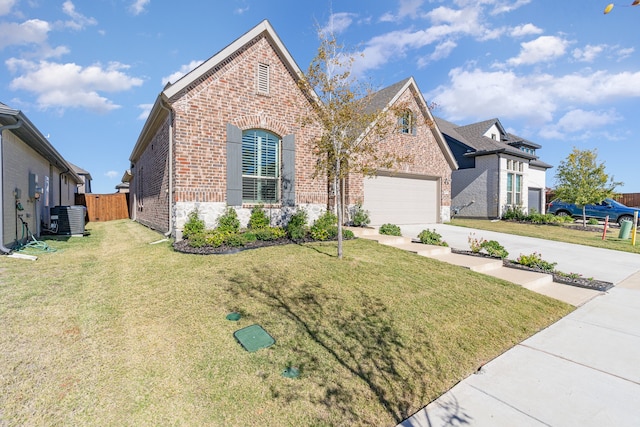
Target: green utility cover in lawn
253, 338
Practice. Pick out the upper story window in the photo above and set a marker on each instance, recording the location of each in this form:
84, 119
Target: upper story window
260, 167
528, 150
263, 79
407, 122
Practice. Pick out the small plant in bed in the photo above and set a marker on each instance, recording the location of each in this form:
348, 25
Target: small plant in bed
431, 237
390, 230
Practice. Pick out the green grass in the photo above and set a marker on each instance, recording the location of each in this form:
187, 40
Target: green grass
558, 233
109, 330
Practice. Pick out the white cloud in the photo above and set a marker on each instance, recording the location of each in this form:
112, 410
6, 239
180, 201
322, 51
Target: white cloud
33, 31
441, 51
338, 23
172, 78
537, 99
69, 85
5, 6
146, 109
542, 49
111, 174
493, 94
241, 10
138, 6
78, 20
589, 53
580, 120
525, 30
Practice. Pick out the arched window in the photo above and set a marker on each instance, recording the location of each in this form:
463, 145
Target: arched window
407, 122
260, 167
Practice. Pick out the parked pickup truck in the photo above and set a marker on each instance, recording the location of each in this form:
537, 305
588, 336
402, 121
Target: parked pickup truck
617, 211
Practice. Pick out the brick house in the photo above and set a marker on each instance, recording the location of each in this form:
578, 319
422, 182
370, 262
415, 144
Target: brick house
497, 169
229, 133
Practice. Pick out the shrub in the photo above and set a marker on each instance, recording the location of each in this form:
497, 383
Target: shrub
359, 216
250, 236
216, 238
196, 240
593, 221
515, 213
474, 243
269, 233
535, 261
538, 218
495, 249
348, 234
390, 230
258, 219
193, 226
297, 226
229, 221
236, 240
325, 227
429, 237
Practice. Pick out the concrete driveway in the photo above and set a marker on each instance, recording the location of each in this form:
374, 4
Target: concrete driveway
582, 371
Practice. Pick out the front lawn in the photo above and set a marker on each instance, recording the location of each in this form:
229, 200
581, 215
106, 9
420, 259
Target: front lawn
110, 330
560, 233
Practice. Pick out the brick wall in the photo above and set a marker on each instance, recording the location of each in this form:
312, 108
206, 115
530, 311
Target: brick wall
150, 184
424, 153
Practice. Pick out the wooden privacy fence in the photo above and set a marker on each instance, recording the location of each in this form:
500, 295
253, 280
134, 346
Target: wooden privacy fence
104, 207
629, 199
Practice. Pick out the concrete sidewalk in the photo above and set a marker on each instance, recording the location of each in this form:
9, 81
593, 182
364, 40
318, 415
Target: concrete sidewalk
582, 371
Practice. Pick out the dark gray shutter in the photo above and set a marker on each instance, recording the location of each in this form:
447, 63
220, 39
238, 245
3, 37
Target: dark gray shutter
289, 170
234, 165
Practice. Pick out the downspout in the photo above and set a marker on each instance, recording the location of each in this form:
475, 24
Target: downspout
171, 208
498, 207
16, 125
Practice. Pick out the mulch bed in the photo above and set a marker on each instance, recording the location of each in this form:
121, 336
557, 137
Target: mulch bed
183, 246
581, 282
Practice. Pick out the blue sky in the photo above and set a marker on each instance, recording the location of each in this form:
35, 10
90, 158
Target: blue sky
559, 73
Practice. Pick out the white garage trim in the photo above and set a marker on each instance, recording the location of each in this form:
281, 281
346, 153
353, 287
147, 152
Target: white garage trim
402, 199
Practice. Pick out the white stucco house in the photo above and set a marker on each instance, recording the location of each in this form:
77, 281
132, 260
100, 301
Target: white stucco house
496, 170
34, 177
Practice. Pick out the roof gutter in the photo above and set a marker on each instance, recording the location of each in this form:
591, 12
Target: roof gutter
170, 189
16, 125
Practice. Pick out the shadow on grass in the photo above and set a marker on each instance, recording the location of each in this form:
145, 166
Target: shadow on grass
357, 332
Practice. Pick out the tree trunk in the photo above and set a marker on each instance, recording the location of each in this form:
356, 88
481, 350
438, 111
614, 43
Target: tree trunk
584, 216
338, 194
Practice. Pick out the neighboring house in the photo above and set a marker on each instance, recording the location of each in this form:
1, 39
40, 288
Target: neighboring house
123, 187
85, 186
497, 170
230, 133
33, 178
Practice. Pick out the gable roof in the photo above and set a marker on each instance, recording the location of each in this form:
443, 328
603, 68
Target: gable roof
80, 171
472, 136
386, 97
31, 136
160, 109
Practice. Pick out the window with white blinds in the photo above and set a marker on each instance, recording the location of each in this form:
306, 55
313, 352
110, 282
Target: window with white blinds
260, 167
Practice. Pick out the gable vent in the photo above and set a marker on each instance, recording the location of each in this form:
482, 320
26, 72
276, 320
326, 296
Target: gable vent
263, 78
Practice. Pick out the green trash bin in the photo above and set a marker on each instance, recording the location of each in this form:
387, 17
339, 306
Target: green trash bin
625, 229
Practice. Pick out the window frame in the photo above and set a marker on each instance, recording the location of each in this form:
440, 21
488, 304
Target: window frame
407, 122
269, 148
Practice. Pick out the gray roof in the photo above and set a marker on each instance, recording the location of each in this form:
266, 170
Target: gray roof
472, 136
80, 171
31, 136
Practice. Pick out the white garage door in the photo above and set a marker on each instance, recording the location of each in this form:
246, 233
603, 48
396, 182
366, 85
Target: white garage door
401, 200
